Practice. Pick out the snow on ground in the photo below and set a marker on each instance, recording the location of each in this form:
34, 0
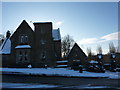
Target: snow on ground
61, 72
27, 85
89, 87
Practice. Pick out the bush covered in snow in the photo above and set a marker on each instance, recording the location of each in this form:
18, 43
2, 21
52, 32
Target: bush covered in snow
95, 66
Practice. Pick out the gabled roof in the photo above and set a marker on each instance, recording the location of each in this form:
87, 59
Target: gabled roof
56, 34
78, 48
22, 25
5, 48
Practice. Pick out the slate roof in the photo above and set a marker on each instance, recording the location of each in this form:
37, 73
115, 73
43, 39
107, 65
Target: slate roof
5, 48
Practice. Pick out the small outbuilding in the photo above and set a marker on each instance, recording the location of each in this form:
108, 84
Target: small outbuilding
76, 56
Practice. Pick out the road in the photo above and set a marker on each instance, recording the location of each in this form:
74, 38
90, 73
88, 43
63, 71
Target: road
64, 82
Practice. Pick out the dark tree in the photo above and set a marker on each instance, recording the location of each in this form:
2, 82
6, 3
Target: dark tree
112, 51
111, 48
90, 54
67, 44
99, 50
118, 49
1, 38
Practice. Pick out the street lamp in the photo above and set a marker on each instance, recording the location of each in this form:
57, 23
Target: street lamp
113, 56
99, 56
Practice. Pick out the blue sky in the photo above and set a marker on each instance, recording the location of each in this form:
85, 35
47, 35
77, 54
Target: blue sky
89, 23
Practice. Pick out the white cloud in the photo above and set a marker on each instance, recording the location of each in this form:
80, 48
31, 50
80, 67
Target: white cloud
112, 36
88, 41
58, 23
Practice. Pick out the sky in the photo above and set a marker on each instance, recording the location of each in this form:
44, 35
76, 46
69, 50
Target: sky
90, 24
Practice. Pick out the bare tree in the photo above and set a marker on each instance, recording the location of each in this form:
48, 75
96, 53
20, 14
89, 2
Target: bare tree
111, 48
99, 49
67, 43
118, 49
89, 52
1, 38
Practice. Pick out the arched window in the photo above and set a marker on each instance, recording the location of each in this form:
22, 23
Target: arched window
26, 39
23, 39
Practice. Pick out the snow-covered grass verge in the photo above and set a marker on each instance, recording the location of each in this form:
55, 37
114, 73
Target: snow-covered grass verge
60, 72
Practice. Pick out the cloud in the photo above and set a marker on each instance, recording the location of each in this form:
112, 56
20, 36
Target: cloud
109, 37
88, 41
112, 36
58, 23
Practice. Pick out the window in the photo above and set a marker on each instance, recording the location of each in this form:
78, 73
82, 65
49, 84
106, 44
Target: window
43, 56
76, 55
26, 39
19, 57
22, 57
23, 39
26, 56
42, 41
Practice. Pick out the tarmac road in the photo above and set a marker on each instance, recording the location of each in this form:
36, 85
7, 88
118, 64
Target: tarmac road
65, 82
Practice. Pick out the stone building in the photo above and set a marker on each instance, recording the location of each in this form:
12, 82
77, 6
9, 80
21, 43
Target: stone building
76, 55
40, 47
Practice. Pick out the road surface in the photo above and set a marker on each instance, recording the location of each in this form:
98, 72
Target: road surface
62, 81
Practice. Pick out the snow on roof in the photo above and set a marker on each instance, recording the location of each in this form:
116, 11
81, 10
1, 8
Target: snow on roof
38, 22
23, 46
62, 61
5, 48
92, 61
56, 34
62, 65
